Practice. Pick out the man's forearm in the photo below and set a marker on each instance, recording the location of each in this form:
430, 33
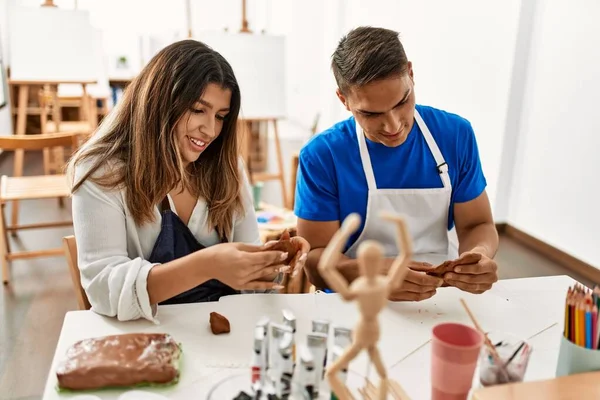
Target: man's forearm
482, 238
348, 267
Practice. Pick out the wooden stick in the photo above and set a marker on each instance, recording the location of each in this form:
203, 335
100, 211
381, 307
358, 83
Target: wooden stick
369, 392
478, 327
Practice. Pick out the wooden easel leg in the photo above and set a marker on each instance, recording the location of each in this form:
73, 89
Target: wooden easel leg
284, 196
57, 153
43, 124
4, 248
19, 154
56, 109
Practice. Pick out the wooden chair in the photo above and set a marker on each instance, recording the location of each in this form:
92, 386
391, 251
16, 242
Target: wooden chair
295, 160
30, 188
294, 172
50, 101
70, 248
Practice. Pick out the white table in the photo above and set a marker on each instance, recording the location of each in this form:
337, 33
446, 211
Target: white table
527, 307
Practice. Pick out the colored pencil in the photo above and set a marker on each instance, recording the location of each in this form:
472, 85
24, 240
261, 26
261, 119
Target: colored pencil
566, 332
582, 323
572, 316
595, 327
588, 327
582, 318
577, 326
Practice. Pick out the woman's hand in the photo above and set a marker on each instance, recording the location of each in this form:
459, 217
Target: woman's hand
300, 258
242, 266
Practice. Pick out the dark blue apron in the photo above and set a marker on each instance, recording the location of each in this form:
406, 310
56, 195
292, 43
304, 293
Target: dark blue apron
175, 241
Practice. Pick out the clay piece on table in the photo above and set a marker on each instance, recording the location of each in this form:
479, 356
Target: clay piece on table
219, 324
285, 244
120, 361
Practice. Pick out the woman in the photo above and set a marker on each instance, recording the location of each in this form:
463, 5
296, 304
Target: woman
162, 209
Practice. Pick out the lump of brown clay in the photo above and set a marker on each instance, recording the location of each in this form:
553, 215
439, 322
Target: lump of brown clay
120, 361
448, 266
219, 324
285, 244
440, 270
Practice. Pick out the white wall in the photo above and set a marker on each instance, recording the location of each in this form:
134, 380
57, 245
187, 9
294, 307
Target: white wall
462, 52
462, 55
554, 195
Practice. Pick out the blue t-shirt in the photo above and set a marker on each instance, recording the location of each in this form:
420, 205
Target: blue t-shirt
331, 182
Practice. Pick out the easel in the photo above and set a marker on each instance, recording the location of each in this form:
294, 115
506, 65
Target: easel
245, 135
250, 127
23, 109
65, 60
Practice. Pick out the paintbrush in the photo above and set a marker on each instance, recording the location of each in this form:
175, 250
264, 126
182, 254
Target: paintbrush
514, 354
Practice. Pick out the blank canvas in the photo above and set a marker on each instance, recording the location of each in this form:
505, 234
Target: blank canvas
51, 44
258, 62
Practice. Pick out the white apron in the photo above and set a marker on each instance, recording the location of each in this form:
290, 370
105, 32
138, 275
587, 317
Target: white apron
425, 210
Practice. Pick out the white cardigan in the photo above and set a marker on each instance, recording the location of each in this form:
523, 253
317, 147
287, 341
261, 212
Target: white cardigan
113, 250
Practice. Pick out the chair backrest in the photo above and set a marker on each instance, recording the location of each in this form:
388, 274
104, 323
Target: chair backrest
70, 246
42, 141
295, 160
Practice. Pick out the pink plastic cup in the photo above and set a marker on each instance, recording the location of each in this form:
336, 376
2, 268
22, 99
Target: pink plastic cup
455, 350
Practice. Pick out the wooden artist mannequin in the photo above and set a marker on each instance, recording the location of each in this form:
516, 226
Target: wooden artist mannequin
370, 290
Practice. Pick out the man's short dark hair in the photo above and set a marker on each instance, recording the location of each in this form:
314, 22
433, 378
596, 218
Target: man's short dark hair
367, 54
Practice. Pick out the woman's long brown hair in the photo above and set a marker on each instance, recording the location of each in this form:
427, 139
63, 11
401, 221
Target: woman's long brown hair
137, 145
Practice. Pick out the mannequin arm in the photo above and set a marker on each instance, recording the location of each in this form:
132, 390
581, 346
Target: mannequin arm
331, 255
399, 267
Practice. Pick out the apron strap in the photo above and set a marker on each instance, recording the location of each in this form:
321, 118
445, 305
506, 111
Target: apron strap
165, 205
365, 158
435, 150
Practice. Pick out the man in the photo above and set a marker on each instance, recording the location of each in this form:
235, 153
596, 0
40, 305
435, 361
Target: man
393, 155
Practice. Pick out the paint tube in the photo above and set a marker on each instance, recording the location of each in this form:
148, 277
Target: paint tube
285, 367
342, 337
306, 384
289, 319
258, 367
322, 326
317, 343
263, 324
257, 390
277, 332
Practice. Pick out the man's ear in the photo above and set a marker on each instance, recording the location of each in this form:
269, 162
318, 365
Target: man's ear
342, 98
410, 72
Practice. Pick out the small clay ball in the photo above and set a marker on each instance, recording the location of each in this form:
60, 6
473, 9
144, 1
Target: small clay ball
219, 324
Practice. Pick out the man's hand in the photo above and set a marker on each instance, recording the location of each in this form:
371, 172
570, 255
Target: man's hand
417, 285
474, 272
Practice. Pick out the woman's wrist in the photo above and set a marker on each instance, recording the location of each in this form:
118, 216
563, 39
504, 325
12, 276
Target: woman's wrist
177, 276
202, 265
